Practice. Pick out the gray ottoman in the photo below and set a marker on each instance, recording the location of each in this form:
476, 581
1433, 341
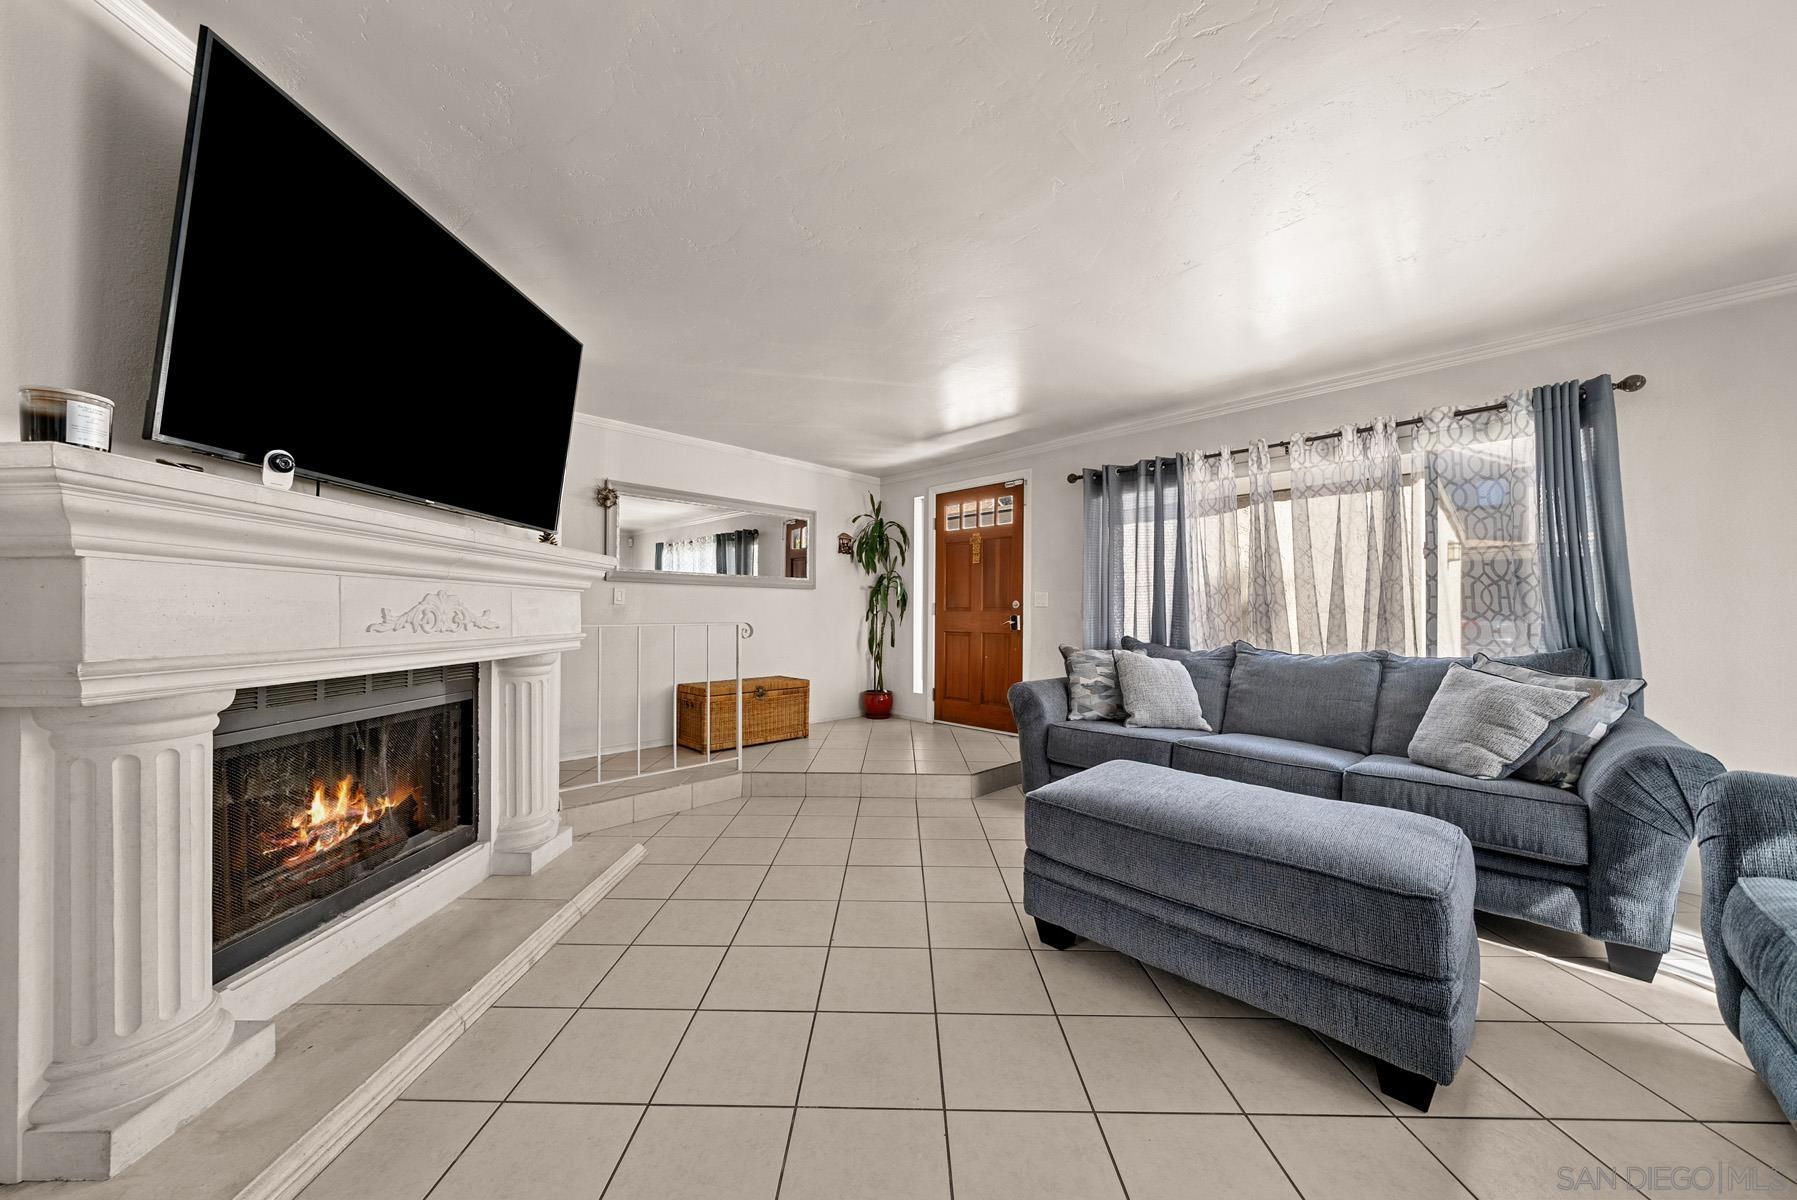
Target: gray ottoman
1354, 921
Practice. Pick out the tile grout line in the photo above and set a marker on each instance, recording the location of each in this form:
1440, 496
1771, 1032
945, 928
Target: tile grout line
929, 941
1066, 1041
1241, 1108
660, 1079
574, 1012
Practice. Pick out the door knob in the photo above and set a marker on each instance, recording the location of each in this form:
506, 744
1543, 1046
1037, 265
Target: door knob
1014, 621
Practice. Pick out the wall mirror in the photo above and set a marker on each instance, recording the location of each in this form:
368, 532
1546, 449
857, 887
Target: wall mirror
660, 535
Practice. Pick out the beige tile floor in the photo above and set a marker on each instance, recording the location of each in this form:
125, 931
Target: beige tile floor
836, 998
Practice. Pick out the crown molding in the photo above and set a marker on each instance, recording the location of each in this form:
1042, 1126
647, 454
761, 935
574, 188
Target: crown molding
687, 439
1647, 314
161, 33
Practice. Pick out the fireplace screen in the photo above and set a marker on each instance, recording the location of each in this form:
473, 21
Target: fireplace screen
316, 808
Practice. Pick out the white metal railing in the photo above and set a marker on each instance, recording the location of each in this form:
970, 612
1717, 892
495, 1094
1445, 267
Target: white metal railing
631, 633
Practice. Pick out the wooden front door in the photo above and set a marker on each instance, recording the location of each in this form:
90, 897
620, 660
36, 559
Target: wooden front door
979, 604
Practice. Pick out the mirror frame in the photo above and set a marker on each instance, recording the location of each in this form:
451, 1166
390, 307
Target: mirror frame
649, 492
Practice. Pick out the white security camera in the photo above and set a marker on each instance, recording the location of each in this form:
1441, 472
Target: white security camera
277, 470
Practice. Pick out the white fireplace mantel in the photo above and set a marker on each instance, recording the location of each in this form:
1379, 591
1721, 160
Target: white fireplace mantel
134, 599
125, 578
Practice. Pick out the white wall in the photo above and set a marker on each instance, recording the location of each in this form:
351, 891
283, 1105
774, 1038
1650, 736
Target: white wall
92, 120
1708, 482
812, 633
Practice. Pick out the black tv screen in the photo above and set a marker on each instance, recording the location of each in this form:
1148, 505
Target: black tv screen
311, 307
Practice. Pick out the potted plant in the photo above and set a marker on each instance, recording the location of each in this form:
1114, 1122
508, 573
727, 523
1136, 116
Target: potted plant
880, 548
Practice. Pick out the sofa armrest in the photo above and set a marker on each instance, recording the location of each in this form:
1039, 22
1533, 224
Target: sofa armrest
1035, 705
1746, 826
1641, 787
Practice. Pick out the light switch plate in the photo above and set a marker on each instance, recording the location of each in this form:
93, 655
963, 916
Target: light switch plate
617, 595
1041, 599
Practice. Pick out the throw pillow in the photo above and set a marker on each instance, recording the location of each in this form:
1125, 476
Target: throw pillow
1571, 739
1209, 669
1092, 693
1484, 725
1158, 693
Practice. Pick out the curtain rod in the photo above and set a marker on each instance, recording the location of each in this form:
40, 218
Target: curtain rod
1628, 383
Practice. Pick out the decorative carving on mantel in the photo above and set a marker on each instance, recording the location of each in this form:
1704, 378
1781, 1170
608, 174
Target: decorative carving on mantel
439, 612
607, 496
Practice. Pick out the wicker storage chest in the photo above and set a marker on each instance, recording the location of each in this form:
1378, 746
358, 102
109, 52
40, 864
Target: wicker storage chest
776, 708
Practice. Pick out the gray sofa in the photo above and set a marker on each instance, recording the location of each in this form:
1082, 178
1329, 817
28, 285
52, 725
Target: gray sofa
1747, 836
1604, 860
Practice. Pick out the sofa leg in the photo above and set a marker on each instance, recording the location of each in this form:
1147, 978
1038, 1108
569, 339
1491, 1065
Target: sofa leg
1054, 935
1406, 1087
1633, 961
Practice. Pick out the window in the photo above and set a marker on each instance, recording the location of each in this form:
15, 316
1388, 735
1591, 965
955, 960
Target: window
1358, 541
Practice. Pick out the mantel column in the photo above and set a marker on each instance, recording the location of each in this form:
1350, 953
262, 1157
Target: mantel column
524, 742
136, 1018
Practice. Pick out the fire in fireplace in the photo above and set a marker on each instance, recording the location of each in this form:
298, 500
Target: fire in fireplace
329, 792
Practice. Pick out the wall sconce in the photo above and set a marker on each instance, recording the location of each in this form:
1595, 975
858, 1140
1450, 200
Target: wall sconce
844, 544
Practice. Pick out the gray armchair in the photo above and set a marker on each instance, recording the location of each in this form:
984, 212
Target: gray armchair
1747, 837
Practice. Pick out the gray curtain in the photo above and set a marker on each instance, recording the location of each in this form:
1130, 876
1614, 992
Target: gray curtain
1583, 545
1136, 565
735, 551
658, 549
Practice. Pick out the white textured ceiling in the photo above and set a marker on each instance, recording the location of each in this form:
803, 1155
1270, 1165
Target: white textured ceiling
872, 233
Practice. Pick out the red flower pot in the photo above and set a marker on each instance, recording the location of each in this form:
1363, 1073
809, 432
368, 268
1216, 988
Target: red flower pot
876, 706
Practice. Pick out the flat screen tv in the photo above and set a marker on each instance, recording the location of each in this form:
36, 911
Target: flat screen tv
311, 307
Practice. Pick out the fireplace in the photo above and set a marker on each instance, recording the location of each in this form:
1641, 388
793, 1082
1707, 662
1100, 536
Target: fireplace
328, 792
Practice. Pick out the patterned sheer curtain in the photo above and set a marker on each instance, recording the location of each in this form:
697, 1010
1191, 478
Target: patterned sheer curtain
1267, 613
1353, 546
1213, 544
1239, 575
692, 555
1482, 587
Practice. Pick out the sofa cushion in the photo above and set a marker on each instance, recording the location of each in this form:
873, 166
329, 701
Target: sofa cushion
1406, 685
1759, 928
1268, 761
1327, 700
1509, 815
1088, 743
1209, 670
1388, 888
